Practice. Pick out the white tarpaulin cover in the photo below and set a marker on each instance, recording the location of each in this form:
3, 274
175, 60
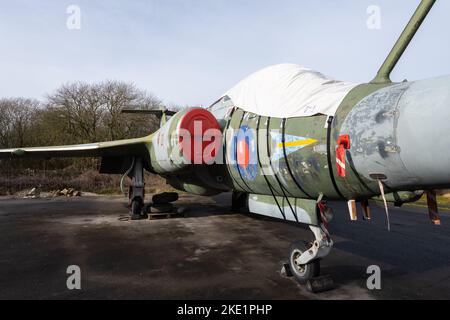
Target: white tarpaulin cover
289, 90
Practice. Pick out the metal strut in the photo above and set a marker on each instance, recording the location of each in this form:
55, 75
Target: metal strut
262, 171
383, 75
288, 166
275, 171
321, 247
137, 189
330, 165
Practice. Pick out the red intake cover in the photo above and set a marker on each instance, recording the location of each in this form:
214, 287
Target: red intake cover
192, 128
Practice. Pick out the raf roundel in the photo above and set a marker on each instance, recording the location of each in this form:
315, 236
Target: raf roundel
244, 153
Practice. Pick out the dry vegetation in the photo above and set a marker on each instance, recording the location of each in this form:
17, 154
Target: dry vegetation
88, 181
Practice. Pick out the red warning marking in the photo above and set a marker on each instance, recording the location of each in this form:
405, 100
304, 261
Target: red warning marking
343, 144
340, 161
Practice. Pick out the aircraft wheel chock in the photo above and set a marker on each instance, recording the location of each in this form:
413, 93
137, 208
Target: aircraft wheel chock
305, 272
162, 208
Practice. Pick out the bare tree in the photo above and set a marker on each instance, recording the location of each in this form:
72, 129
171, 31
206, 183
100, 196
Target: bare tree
76, 113
16, 121
80, 108
118, 95
92, 112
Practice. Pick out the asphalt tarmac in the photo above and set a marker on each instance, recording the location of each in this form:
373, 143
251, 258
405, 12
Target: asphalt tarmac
210, 254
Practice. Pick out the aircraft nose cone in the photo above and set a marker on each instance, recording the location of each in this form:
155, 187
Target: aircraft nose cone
423, 131
402, 132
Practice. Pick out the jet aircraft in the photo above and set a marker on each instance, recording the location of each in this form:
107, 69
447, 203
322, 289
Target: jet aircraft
287, 139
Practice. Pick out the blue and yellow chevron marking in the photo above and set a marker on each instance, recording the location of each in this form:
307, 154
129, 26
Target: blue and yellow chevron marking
291, 144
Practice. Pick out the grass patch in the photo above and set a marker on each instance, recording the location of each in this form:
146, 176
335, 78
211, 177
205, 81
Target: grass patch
443, 202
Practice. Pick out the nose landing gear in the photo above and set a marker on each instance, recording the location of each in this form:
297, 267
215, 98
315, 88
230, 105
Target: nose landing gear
304, 260
302, 272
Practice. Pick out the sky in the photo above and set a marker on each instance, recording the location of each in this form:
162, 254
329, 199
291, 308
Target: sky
189, 52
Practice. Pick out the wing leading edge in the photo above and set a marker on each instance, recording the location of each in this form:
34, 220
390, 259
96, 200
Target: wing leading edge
130, 147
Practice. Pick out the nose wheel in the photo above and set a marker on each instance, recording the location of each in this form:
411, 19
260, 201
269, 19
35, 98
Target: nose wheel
136, 209
304, 259
302, 272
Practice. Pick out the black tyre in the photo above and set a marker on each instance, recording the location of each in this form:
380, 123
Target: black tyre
136, 209
166, 197
305, 272
239, 202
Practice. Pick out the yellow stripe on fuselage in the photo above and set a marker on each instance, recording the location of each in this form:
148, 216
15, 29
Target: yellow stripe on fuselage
298, 143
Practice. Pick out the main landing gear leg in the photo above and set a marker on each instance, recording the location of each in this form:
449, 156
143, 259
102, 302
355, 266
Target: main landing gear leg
136, 193
304, 257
